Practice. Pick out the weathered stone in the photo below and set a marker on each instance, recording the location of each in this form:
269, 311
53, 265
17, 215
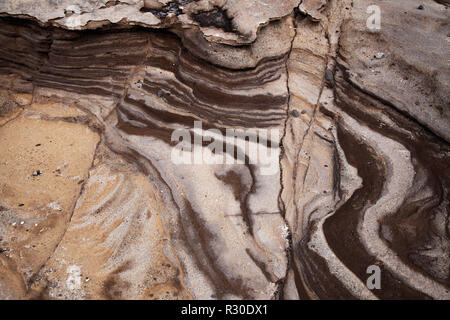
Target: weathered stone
94, 206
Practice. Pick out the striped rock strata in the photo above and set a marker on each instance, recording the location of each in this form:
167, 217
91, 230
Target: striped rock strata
354, 124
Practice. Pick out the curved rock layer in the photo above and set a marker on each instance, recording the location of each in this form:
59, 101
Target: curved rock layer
93, 205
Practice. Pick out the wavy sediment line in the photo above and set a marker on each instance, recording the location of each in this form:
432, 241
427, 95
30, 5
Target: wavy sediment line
368, 227
349, 280
359, 179
400, 177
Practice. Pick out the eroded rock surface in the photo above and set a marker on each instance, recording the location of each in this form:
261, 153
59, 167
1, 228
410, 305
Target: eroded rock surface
93, 205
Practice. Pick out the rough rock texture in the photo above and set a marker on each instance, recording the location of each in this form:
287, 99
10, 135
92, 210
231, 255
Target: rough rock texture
92, 205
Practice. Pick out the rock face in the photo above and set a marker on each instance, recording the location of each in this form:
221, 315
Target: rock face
343, 165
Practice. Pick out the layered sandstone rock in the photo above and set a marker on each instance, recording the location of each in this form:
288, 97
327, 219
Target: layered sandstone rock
94, 206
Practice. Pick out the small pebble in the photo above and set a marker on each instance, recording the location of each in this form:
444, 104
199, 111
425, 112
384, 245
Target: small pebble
37, 173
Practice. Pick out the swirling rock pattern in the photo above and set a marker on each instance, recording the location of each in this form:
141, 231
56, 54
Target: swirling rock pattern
92, 205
